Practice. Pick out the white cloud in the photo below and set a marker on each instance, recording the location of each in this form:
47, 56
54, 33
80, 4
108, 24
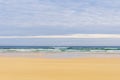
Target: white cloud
69, 36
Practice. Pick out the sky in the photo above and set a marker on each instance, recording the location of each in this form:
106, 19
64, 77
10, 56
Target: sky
48, 18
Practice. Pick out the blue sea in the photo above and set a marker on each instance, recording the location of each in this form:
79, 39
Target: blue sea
60, 51
59, 48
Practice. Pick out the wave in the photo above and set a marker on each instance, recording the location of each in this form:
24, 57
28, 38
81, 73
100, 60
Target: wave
59, 49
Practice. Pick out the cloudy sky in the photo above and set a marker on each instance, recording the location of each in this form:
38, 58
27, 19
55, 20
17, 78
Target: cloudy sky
57, 18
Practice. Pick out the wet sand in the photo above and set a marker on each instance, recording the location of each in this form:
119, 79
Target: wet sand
18, 68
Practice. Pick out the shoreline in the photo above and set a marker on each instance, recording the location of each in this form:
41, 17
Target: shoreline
61, 54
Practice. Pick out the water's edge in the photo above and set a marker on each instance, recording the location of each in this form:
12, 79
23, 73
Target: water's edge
60, 51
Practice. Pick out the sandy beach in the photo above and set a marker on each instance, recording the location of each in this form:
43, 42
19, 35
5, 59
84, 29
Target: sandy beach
18, 68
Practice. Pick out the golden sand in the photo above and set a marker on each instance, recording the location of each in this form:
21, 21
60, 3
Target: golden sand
59, 69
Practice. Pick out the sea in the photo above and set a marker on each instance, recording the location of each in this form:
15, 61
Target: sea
59, 48
60, 51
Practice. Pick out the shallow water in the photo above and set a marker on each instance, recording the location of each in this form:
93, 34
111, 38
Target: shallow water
61, 54
60, 51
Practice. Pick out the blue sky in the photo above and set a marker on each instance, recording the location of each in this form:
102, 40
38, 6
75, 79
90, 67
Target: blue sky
59, 17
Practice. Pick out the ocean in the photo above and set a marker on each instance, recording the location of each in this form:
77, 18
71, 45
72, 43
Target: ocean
59, 48
60, 51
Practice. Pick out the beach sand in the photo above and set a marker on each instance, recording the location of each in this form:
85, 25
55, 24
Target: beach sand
18, 68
